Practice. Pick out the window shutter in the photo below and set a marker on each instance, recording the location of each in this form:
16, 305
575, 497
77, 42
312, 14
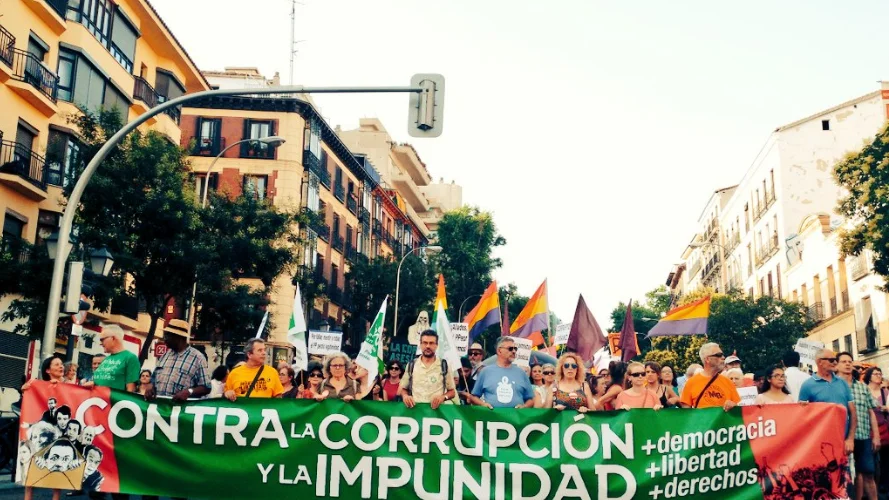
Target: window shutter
245, 147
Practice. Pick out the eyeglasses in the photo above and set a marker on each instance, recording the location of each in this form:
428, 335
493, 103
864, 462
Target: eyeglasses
636, 374
511, 349
103, 339
829, 360
570, 366
338, 366
315, 375
476, 353
779, 375
717, 355
549, 373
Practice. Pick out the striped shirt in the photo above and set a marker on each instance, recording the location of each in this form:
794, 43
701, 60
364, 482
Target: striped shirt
177, 371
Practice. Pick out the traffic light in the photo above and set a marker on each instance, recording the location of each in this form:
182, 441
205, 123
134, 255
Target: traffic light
426, 108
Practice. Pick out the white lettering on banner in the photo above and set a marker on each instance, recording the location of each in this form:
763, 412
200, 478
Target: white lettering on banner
748, 395
460, 333
562, 332
323, 343
808, 350
523, 355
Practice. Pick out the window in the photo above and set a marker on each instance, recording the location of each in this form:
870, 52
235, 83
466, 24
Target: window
313, 201
334, 275
65, 71
25, 135
257, 130
836, 345
208, 140
13, 226
62, 158
255, 185
89, 86
37, 47
96, 16
123, 41
336, 224
201, 181
313, 139
309, 255
168, 87
348, 235
825, 124
847, 341
116, 101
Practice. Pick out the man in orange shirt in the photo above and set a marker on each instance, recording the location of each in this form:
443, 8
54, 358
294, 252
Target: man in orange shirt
710, 388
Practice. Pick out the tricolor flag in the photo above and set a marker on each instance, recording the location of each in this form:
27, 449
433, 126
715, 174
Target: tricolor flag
371, 354
690, 319
296, 334
533, 318
485, 313
447, 348
440, 301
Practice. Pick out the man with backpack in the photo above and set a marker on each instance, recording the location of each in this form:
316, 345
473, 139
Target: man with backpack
427, 379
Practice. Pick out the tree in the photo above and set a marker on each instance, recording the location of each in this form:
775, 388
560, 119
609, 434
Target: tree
865, 178
468, 238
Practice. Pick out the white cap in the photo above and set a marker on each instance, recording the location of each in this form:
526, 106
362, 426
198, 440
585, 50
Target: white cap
732, 359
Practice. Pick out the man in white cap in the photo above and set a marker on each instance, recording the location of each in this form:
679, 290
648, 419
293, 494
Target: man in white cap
181, 372
476, 356
733, 361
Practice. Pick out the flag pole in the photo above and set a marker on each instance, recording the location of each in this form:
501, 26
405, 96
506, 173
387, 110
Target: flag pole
549, 321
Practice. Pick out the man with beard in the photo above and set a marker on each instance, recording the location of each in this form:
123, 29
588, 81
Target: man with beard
710, 388
427, 379
503, 384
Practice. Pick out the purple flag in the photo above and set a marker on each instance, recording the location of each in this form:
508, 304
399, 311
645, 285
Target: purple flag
586, 337
627, 341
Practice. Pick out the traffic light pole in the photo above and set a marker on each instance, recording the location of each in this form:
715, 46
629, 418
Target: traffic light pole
426, 95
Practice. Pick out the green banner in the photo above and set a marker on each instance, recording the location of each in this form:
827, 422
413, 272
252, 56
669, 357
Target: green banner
260, 448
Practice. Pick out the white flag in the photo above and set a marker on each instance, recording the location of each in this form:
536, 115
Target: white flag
296, 334
371, 354
261, 330
447, 348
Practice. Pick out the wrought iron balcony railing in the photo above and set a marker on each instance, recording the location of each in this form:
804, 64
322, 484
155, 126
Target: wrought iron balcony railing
27, 68
17, 159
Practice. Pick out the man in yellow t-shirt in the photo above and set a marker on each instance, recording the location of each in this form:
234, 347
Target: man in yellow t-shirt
700, 392
268, 385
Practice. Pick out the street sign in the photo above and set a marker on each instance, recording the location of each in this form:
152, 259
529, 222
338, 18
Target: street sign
425, 117
160, 349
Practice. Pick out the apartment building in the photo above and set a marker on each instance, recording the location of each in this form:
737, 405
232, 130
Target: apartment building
58, 57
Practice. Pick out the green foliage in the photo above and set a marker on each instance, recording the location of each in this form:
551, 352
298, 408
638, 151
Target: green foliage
865, 179
468, 238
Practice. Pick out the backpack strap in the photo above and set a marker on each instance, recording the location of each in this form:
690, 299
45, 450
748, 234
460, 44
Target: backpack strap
253, 384
444, 375
410, 378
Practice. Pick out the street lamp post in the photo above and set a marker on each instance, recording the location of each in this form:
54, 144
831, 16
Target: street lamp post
460, 318
719, 245
429, 88
430, 249
271, 141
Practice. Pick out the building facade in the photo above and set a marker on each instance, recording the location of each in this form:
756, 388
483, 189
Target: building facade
751, 235
58, 58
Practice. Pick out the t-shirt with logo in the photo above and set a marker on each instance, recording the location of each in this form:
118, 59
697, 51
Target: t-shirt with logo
503, 387
118, 370
721, 390
268, 385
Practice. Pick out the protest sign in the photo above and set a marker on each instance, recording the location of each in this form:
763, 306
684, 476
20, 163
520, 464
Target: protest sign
460, 332
523, 355
402, 351
267, 448
562, 332
323, 343
748, 395
808, 350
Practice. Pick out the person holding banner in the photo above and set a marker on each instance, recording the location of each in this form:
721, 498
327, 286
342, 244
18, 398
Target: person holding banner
182, 371
428, 379
710, 388
336, 383
570, 389
392, 380
311, 380
548, 373
503, 385
774, 388
637, 395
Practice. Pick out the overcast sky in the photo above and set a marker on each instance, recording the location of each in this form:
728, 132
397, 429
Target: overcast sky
595, 132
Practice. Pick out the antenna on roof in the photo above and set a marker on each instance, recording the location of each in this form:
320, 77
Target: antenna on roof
293, 40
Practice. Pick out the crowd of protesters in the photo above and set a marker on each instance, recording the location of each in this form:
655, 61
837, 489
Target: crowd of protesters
568, 384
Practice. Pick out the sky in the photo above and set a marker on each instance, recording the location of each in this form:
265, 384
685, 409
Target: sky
594, 132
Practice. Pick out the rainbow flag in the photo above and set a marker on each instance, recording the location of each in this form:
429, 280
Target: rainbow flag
534, 317
690, 319
485, 313
440, 295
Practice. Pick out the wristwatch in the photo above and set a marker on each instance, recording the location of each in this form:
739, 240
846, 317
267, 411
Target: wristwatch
190, 391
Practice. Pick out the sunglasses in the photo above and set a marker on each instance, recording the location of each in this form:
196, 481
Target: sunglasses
570, 366
394, 368
717, 355
636, 374
549, 373
315, 375
511, 349
476, 353
829, 360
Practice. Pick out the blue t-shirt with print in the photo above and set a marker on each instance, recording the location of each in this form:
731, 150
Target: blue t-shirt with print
503, 387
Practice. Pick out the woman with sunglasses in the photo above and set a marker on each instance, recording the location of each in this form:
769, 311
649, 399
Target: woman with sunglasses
637, 395
666, 395
548, 377
392, 380
570, 389
774, 388
311, 380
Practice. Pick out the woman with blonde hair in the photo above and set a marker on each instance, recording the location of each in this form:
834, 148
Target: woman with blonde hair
570, 389
636, 395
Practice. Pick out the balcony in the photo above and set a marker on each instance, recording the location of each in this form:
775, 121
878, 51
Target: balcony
34, 82
844, 299
816, 312
351, 253
324, 176
257, 150
337, 242
732, 242
352, 204
339, 191
144, 92
377, 229
363, 215
694, 269
52, 12
322, 229
7, 45
334, 294
767, 250
207, 146
23, 170
833, 307
312, 163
